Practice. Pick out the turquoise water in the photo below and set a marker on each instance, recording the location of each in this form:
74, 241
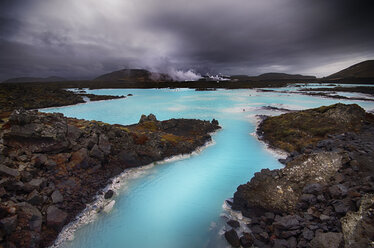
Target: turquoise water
179, 204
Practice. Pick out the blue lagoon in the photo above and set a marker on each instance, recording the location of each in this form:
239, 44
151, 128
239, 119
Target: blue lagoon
179, 203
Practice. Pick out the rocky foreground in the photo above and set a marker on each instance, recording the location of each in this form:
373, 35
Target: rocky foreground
324, 196
52, 166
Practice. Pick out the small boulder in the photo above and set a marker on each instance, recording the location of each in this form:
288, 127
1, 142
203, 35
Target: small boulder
269, 216
246, 240
104, 144
308, 234
309, 198
327, 240
14, 185
33, 215
233, 223
280, 243
288, 222
323, 217
287, 234
338, 190
232, 238
9, 224
150, 117
292, 242
80, 158
56, 218
39, 160
313, 188
73, 132
256, 229
5, 170
36, 183
35, 198
26, 176
57, 197
108, 194
96, 153
341, 207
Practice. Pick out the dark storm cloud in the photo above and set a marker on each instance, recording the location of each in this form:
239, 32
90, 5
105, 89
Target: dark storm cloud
88, 37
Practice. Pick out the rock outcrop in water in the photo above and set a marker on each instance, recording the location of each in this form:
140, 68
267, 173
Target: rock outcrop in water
52, 166
324, 196
30, 96
294, 131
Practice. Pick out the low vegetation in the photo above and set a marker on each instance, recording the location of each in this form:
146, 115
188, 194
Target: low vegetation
296, 130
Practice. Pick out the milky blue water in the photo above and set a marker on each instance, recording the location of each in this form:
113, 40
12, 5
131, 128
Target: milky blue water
179, 204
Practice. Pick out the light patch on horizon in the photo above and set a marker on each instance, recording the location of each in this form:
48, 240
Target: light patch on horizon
330, 68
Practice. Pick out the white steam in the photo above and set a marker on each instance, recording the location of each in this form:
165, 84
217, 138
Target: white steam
179, 75
218, 77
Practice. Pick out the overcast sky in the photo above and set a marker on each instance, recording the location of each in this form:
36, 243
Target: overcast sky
85, 38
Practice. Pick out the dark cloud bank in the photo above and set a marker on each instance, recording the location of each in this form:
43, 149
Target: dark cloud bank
85, 38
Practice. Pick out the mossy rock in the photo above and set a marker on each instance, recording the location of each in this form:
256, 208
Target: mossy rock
293, 131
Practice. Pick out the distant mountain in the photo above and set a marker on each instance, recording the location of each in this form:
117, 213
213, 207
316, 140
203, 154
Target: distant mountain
364, 69
34, 80
275, 75
272, 76
134, 75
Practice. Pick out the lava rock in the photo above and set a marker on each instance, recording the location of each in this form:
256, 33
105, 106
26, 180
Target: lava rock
313, 188
104, 144
308, 234
39, 160
269, 216
150, 117
327, 240
280, 243
56, 218
287, 234
96, 152
35, 198
288, 222
323, 217
338, 190
5, 170
9, 224
32, 214
26, 176
308, 198
246, 240
108, 194
80, 158
35, 183
341, 207
292, 242
232, 238
256, 229
57, 197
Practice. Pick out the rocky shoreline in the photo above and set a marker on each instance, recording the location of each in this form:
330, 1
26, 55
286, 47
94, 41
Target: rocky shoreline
52, 166
324, 196
13, 96
323, 92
